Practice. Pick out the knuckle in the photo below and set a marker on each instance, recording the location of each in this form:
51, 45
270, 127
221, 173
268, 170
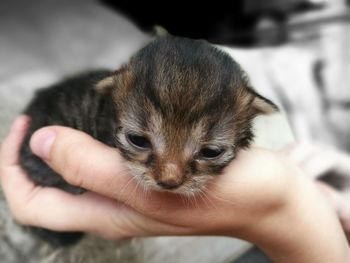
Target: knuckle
20, 216
22, 208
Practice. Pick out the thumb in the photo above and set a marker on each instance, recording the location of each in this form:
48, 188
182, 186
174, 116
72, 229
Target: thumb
80, 159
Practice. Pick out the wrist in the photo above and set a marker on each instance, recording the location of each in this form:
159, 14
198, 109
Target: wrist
303, 229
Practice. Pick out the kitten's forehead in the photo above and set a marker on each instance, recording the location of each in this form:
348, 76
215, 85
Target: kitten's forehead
182, 75
177, 132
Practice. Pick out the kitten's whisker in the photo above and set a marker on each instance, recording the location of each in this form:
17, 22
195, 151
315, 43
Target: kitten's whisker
204, 194
192, 199
183, 199
187, 199
126, 185
147, 192
189, 196
145, 189
214, 184
195, 200
136, 186
213, 195
200, 194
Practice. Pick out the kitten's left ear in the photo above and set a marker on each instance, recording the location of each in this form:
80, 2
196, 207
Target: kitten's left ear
260, 105
105, 86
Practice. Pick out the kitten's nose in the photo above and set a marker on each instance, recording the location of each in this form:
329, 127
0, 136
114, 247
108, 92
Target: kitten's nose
168, 185
171, 175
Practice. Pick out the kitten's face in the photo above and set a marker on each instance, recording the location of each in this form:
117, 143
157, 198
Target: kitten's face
184, 109
176, 156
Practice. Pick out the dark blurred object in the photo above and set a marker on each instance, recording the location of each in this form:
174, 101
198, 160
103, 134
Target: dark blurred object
217, 22
204, 20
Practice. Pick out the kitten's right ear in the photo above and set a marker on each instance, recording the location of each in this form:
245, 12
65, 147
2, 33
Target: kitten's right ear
250, 102
107, 84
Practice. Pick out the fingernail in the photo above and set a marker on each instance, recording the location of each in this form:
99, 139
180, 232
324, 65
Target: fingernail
41, 142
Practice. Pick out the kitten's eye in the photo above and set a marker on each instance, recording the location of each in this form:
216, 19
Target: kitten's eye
210, 153
139, 141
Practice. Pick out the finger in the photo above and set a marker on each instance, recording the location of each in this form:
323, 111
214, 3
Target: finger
47, 207
12, 143
89, 212
80, 159
9, 159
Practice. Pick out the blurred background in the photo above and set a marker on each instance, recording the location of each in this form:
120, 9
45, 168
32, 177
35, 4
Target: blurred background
296, 52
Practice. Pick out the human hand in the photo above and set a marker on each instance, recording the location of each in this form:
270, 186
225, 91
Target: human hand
115, 183
260, 198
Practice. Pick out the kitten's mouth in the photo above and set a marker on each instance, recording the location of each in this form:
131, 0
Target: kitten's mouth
168, 186
187, 187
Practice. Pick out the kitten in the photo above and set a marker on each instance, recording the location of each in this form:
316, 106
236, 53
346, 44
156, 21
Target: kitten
178, 112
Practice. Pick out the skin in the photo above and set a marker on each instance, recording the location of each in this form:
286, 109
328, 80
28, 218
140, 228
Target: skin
273, 205
315, 160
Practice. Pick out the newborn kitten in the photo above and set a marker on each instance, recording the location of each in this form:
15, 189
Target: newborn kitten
178, 112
